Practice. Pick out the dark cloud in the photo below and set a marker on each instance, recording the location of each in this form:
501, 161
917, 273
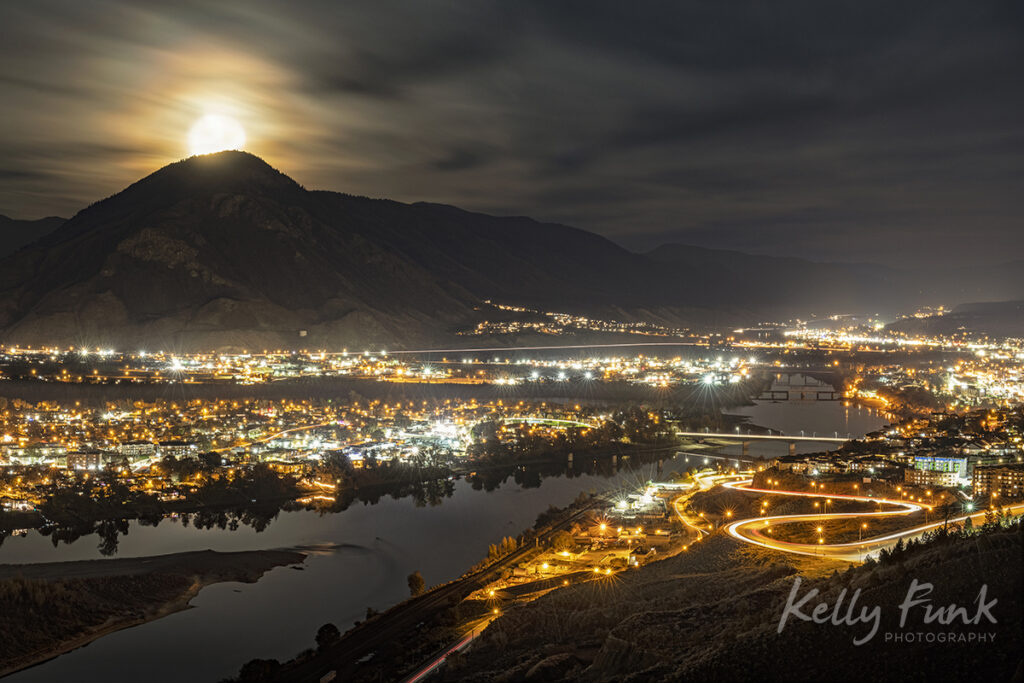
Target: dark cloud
461, 160
870, 130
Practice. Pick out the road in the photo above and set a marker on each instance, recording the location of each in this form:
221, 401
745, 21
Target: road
751, 530
703, 481
273, 436
470, 633
393, 624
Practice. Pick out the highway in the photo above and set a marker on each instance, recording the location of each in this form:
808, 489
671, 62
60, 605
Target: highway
752, 530
703, 481
438, 659
540, 348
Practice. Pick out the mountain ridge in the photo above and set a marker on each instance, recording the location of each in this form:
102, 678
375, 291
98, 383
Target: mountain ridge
224, 251
17, 233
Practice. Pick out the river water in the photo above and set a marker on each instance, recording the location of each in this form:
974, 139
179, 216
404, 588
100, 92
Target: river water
366, 553
807, 418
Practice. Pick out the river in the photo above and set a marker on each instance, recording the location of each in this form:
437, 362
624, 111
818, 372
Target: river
359, 558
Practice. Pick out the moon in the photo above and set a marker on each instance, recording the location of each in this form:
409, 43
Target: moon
215, 133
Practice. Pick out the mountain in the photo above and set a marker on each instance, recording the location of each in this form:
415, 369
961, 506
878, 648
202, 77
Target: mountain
993, 318
223, 251
15, 234
212, 252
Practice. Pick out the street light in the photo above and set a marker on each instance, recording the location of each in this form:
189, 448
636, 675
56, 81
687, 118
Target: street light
860, 535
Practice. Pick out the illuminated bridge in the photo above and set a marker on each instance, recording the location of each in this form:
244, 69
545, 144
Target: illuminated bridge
747, 438
735, 436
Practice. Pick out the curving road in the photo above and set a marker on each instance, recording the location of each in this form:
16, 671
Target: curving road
752, 530
703, 480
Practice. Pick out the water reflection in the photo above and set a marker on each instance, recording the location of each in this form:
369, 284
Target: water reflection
788, 417
430, 492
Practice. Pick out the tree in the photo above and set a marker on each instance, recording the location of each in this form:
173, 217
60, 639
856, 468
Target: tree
561, 540
508, 545
416, 584
326, 635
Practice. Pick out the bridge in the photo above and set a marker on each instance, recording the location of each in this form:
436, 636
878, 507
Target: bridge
801, 386
747, 438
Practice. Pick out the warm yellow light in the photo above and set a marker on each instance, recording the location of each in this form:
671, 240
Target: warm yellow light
215, 133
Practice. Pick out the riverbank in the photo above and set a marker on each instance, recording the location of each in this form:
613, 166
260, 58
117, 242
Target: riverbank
55, 607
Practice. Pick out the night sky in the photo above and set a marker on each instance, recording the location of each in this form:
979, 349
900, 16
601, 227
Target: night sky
856, 131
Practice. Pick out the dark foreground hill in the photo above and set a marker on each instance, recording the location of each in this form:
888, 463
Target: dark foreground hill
713, 614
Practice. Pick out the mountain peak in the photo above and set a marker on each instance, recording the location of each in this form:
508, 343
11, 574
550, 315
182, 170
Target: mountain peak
229, 172
194, 178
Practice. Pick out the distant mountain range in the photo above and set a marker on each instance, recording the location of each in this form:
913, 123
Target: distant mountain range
15, 234
223, 251
995, 318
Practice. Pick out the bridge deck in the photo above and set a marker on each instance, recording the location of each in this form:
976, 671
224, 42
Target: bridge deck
775, 437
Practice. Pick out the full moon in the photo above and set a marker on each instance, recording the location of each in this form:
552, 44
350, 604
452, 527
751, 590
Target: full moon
215, 133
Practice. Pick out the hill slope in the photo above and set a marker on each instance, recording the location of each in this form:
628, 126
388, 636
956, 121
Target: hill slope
15, 234
994, 318
712, 614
